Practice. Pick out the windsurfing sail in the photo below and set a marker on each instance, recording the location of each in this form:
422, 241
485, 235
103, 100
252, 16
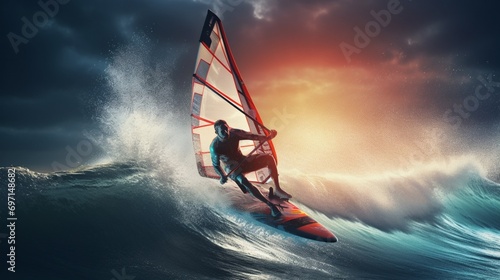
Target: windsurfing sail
218, 92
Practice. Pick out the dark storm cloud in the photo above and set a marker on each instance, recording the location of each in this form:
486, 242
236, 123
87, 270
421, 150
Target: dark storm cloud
76, 43
464, 30
450, 44
50, 86
54, 78
47, 110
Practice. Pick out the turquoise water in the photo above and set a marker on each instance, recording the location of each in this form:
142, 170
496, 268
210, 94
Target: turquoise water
130, 219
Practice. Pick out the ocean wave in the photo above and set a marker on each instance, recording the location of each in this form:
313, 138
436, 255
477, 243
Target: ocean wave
394, 201
130, 215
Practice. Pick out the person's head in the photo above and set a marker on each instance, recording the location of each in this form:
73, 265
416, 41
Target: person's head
221, 129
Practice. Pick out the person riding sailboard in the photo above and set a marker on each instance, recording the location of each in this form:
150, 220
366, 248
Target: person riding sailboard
225, 148
245, 153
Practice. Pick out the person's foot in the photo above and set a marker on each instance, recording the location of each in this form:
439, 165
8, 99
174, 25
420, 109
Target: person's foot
282, 194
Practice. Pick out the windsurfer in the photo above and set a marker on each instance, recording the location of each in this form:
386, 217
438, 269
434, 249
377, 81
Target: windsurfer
225, 148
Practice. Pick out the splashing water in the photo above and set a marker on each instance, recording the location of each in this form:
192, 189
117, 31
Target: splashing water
148, 211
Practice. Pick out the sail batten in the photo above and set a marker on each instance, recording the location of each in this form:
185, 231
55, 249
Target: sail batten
218, 92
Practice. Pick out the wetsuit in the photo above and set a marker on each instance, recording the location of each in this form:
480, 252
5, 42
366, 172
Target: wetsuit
229, 153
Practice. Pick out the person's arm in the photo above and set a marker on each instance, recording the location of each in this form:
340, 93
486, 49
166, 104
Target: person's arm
244, 135
216, 164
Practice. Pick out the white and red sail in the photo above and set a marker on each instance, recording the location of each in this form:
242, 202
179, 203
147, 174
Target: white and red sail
218, 92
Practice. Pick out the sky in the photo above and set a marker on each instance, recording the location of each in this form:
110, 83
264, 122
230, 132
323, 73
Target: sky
351, 86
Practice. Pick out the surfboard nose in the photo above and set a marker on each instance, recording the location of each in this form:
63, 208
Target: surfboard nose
331, 238
318, 232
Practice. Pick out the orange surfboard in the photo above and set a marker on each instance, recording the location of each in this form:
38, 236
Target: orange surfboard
293, 220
